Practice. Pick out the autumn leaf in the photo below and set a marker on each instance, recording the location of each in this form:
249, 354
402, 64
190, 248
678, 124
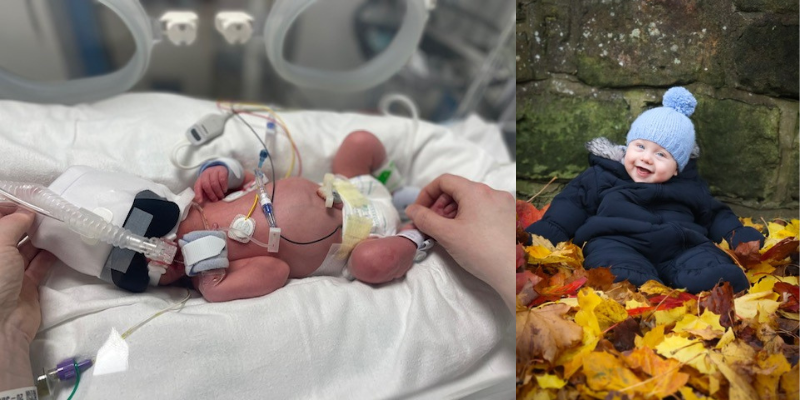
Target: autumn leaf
771, 368
689, 351
780, 250
666, 377
749, 305
528, 214
600, 278
720, 302
544, 333
605, 372
740, 389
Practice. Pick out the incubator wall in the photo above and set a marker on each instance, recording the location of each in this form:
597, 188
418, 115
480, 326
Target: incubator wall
462, 65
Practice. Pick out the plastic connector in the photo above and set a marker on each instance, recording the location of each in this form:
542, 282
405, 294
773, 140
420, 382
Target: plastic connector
274, 240
180, 27
163, 252
206, 129
235, 26
262, 156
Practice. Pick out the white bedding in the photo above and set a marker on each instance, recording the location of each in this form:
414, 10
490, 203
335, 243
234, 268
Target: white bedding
437, 333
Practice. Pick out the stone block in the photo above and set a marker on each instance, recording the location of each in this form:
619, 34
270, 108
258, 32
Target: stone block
650, 43
553, 129
777, 6
766, 57
740, 147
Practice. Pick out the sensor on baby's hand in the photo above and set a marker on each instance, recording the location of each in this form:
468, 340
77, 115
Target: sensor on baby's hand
206, 129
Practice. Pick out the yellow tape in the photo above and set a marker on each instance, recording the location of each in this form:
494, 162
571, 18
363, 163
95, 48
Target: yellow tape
349, 193
356, 228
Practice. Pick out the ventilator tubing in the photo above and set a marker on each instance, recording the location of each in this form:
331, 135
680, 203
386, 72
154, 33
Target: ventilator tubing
89, 224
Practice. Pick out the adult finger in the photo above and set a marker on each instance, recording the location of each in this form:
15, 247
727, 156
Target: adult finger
426, 220
28, 251
40, 266
13, 226
452, 185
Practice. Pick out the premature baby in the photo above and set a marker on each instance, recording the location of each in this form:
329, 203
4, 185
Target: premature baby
315, 239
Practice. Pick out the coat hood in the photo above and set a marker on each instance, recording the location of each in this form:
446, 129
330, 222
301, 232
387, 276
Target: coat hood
606, 153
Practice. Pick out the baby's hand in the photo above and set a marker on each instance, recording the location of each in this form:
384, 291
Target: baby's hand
445, 206
211, 185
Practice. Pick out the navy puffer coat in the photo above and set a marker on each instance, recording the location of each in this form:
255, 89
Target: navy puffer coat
645, 223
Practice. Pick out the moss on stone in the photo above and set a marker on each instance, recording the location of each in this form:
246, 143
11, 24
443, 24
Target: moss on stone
740, 148
553, 129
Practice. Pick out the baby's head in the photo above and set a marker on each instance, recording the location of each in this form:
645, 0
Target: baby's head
661, 139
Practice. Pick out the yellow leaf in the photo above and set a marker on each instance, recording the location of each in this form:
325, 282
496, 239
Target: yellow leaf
689, 394
790, 383
747, 306
609, 312
652, 338
764, 284
666, 317
771, 368
548, 381
572, 302
738, 352
754, 273
666, 375
588, 301
792, 280
749, 222
537, 252
739, 388
654, 288
726, 338
632, 303
778, 232
690, 351
706, 326
604, 372
789, 315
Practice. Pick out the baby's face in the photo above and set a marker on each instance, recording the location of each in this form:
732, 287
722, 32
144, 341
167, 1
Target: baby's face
647, 162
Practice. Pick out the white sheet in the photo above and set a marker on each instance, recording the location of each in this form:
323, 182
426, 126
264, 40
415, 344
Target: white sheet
437, 333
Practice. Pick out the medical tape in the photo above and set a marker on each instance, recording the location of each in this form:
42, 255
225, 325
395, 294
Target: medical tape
327, 189
356, 227
202, 249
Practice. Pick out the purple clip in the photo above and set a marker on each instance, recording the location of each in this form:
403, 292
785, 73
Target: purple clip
66, 369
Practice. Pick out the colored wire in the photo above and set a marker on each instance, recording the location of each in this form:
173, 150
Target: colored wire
252, 208
277, 119
77, 379
313, 241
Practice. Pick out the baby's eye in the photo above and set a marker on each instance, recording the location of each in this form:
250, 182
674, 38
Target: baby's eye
639, 146
660, 154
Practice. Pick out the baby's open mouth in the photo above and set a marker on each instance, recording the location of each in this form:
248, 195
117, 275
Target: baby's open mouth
643, 171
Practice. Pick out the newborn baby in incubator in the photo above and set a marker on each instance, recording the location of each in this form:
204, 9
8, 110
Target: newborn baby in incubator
348, 226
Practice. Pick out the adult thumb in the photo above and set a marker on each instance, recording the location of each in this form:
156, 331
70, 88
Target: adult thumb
427, 221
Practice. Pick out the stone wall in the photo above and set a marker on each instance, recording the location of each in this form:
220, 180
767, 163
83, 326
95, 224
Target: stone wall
587, 68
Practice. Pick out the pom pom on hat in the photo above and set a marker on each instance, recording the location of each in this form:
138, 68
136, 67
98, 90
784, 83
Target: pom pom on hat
681, 100
669, 126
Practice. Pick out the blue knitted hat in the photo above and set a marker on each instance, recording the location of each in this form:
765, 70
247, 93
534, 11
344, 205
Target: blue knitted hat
669, 126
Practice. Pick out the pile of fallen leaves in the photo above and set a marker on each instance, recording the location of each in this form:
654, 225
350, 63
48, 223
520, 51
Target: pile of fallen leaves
582, 336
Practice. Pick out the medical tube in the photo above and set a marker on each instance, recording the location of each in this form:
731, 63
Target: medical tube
89, 224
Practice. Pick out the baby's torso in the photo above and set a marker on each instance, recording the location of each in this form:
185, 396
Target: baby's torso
300, 214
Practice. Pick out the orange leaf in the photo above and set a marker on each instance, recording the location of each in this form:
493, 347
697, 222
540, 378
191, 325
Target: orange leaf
528, 214
781, 250
600, 278
545, 333
669, 378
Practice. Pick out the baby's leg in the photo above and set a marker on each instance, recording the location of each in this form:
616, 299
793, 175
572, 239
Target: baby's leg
243, 279
383, 259
359, 154
624, 261
702, 267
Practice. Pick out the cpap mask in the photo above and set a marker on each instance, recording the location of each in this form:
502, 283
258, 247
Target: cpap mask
180, 28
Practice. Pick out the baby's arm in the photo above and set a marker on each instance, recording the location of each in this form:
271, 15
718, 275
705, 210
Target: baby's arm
219, 176
569, 209
244, 278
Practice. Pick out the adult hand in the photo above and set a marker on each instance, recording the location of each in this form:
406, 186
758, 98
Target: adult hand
21, 272
475, 224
